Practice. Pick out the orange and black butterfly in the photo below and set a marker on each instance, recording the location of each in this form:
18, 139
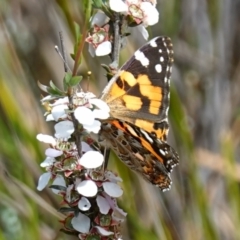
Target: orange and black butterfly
138, 97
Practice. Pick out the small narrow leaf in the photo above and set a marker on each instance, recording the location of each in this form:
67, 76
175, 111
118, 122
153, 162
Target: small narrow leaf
74, 81
66, 80
43, 87
58, 187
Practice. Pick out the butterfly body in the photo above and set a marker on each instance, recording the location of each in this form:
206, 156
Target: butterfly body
138, 98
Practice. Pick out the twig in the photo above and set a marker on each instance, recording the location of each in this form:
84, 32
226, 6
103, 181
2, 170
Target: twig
64, 61
116, 44
63, 52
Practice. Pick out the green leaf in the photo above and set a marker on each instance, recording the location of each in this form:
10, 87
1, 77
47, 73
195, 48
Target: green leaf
97, 3
74, 81
66, 80
87, 9
43, 87
56, 93
78, 38
77, 31
52, 90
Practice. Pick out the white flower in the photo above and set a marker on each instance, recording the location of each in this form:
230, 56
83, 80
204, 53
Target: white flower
103, 205
64, 129
43, 180
46, 139
81, 223
87, 188
112, 189
98, 40
58, 181
139, 10
84, 204
91, 159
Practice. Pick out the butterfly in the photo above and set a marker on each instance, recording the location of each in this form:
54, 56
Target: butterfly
138, 97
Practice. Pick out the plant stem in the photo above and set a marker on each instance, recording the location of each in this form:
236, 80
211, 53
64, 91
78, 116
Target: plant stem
116, 44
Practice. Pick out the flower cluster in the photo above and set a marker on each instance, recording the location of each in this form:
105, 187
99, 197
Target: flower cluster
89, 194
136, 13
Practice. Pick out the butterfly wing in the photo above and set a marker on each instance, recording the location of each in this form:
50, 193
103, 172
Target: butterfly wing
139, 92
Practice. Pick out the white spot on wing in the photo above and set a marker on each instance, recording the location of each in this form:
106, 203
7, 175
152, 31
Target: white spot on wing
141, 57
153, 43
160, 50
158, 68
161, 59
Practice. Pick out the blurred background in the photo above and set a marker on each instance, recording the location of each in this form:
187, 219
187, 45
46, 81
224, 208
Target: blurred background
204, 202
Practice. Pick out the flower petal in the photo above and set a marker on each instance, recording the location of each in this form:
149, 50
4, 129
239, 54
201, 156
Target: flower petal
151, 14
100, 114
86, 147
103, 204
103, 231
46, 139
84, 204
95, 127
91, 159
59, 111
64, 129
112, 177
58, 181
81, 223
118, 6
84, 115
87, 188
104, 48
43, 181
51, 152
99, 19
49, 118
47, 162
100, 104
143, 31
60, 101
112, 189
